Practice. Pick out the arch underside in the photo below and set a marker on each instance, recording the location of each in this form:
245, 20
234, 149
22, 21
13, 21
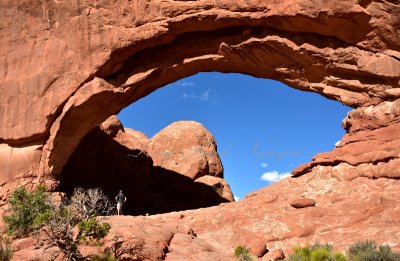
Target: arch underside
293, 58
116, 54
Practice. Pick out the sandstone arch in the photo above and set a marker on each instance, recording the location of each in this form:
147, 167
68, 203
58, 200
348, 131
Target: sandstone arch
67, 66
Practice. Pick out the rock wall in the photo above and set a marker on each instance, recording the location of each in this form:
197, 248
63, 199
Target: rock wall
264, 221
163, 174
370, 147
67, 65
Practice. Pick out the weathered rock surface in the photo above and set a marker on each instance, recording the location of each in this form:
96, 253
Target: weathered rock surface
256, 246
369, 210
370, 148
277, 254
187, 148
66, 66
302, 203
157, 175
219, 185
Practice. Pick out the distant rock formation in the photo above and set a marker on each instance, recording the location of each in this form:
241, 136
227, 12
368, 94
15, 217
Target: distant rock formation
370, 147
178, 169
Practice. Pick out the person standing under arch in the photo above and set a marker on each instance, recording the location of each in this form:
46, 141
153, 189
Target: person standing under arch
120, 199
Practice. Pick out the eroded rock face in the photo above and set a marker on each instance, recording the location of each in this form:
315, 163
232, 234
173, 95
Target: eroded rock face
151, 175
66, 66
370, 148
219, 185
187, 148
341, 217
302, 203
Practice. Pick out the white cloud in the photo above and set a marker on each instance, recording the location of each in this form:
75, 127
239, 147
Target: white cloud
264, 165
274, 176
204, 96
186, 84
236, 198
337, 143
185, 95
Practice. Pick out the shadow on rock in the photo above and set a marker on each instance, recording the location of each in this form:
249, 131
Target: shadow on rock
100, 161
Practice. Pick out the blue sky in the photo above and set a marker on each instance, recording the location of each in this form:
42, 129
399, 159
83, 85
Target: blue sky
263, 128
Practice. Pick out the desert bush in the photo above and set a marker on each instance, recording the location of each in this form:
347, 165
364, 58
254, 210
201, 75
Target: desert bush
91, 203
369, 251
81, 210
30, 210
33, 212
59, 232
116, 251
91, 230
242, 253
6, 251
316, 252
103, 257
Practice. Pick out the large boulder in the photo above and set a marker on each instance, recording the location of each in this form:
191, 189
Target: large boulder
219, 185
113, 158
187, 148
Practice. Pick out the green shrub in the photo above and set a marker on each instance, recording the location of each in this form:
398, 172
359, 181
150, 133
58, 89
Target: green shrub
59, 232
242, 253
362, 247
320, 254
92, 230
368, 251
339, 257
117, 249
316, 252
103, 257
6, 251
30, 210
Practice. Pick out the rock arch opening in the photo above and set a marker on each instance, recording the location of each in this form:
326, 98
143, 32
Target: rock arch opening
102, 63
66, 66
322, 60
173, 169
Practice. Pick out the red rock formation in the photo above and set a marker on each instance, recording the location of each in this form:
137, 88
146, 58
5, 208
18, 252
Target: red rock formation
370, 148
186, 148
342, 216
162, 174
277, 254
302, 203
66, 66
219, 185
